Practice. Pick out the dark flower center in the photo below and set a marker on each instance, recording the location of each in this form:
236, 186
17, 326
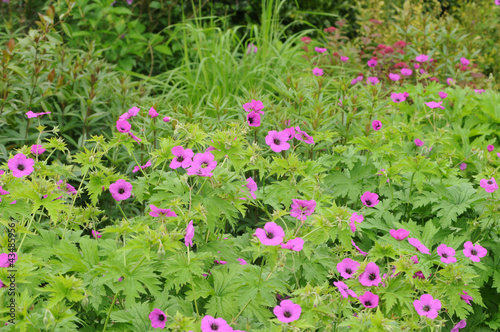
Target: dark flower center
397, 99
445, 256
161, 318
287, 314
214, 327
377, 126
277, 141
204, 164
348, 271
368, 303
250, 120
270, 235
372, 276
473, 251
368, 202
121, 191
427, 308
490, 182
21, 167
180, 159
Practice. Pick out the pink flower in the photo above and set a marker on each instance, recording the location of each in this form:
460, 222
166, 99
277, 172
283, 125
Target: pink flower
372, 80
344, 58
153, 113
287, 311
254, 105
157, 212
303, 136
433, 104
130, 113
442, 94
376, 125
137, 139
31, 114
8, 259
398, 97
419, 246
427, 306
369, 199
488, 185
474, 252
317, 71
138, 168
203, 164
290, 133
422, 58
300, 208
369, 300
20, 165
120, 190
399, 234
210, 324
466, 298
242, 261
358, 249
490, 148
464, 61
394, 77
320, 49
344, 290
450, 81
271, 235
296, 244
357, 217
462, 324
418, 142
406, 71
3, 192
372, 63
37, 149
166, 119
446, 254
479, 90
253, 119
188, 239
96, 234
158, 319
305, 40
277, 141
416, 66
347, 268
123, 126
252, 187
371, 275
182, 157
463, 166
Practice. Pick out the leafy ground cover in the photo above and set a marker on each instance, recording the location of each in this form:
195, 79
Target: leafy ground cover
267, 182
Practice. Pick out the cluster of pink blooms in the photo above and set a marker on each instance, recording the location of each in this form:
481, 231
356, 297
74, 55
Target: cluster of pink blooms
124, 126
254, 110
278, 140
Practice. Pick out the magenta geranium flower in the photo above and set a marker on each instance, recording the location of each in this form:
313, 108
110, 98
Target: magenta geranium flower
419, 246
399, 234
301, 208
320, 49
427, 306
344, 58
490, 148
474, 252
422, 58
369, 199
347, 268
442, 94
210, 324
255, 106
296, 244
358, 249
463, 166
96, 234
166, 119
252, 187
371, 275
467, 298
277, 141
376, 125
479, 90
317, 71
488, 185
303, 136
287, 311
372, 80
20, 165
188, 239
394, 77
418, 142
344, 290
253, 119
203, 164
369, 300
138, 168
6, 259
464, 61
120, 190
31, 114
446, 254
157, 212
433, 104
135, 138
153, 113
271, 235
460, 325
290, 132
3, 192
158, 319
37, 149
398, 97
372, 63
182, 157
242, 261
130, 113
406, 71
355, 218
